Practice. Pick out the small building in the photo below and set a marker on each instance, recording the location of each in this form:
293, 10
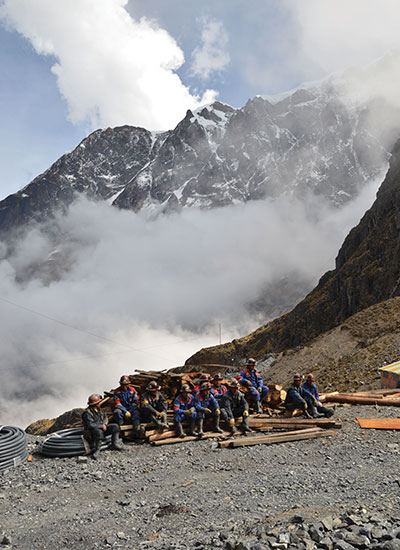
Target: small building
390, 375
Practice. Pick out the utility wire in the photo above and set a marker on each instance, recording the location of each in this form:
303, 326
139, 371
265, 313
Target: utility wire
130, 348
63, 323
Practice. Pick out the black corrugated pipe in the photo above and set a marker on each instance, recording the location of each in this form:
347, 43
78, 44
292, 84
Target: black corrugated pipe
12, 447
69, 442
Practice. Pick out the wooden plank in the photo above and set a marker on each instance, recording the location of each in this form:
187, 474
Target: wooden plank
354, 400
379, 423
164, 435
296, 436
273, 436
257, 438
376, 392
173, 440
266, 422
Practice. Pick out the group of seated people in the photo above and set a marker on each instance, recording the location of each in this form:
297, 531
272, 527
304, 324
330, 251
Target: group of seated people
209, 400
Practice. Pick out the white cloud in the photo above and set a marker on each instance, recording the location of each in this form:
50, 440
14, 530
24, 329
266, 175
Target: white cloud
111, 69
153, 299
336, 34
212, 55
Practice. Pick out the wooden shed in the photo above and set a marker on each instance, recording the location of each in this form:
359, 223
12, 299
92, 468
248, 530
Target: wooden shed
390, 375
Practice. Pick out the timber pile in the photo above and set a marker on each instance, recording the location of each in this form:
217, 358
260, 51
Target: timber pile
383, 397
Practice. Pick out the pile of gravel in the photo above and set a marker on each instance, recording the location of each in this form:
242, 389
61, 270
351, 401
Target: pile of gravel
355, 529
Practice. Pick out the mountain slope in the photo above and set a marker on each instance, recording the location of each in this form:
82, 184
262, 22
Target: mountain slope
367, 272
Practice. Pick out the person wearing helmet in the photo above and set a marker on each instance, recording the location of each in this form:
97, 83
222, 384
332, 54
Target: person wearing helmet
234, 405
203, 378
154, 406
206, 407
96, 426
310, 386
251, 379
126, 407
184, 409
218, 389
299, 398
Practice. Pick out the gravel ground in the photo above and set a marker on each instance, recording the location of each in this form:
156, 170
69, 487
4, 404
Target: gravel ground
240, 498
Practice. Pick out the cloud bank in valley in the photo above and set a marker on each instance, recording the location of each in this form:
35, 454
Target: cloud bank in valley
111, 69
139, 294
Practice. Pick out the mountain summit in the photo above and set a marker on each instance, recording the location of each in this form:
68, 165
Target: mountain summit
313, 140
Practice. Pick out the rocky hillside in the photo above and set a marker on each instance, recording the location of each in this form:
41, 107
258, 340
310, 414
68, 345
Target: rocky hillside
348, 357
313, 141
367, 273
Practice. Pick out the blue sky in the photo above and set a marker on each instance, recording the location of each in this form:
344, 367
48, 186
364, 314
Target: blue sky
71, 66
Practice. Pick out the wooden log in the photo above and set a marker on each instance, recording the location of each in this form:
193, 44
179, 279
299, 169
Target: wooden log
173, 440
311, 433
154, 373
294, 423
355, 400
382, 391
276, 395
164, 435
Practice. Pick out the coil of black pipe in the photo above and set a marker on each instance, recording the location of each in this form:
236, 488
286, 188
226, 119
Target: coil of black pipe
13, 449
69, 442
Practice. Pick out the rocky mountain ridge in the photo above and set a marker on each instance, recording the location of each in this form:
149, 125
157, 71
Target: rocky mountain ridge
367, 272
312, 141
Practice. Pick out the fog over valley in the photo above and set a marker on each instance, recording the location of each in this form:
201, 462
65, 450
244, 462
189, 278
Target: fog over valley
100, 292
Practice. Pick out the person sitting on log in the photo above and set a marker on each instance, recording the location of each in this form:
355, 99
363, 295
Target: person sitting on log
298, 397
250, 378
184, 409
154, 406
218, 389
206, 408
310, 386
96, 426
203, 378
126, 405
234, 405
